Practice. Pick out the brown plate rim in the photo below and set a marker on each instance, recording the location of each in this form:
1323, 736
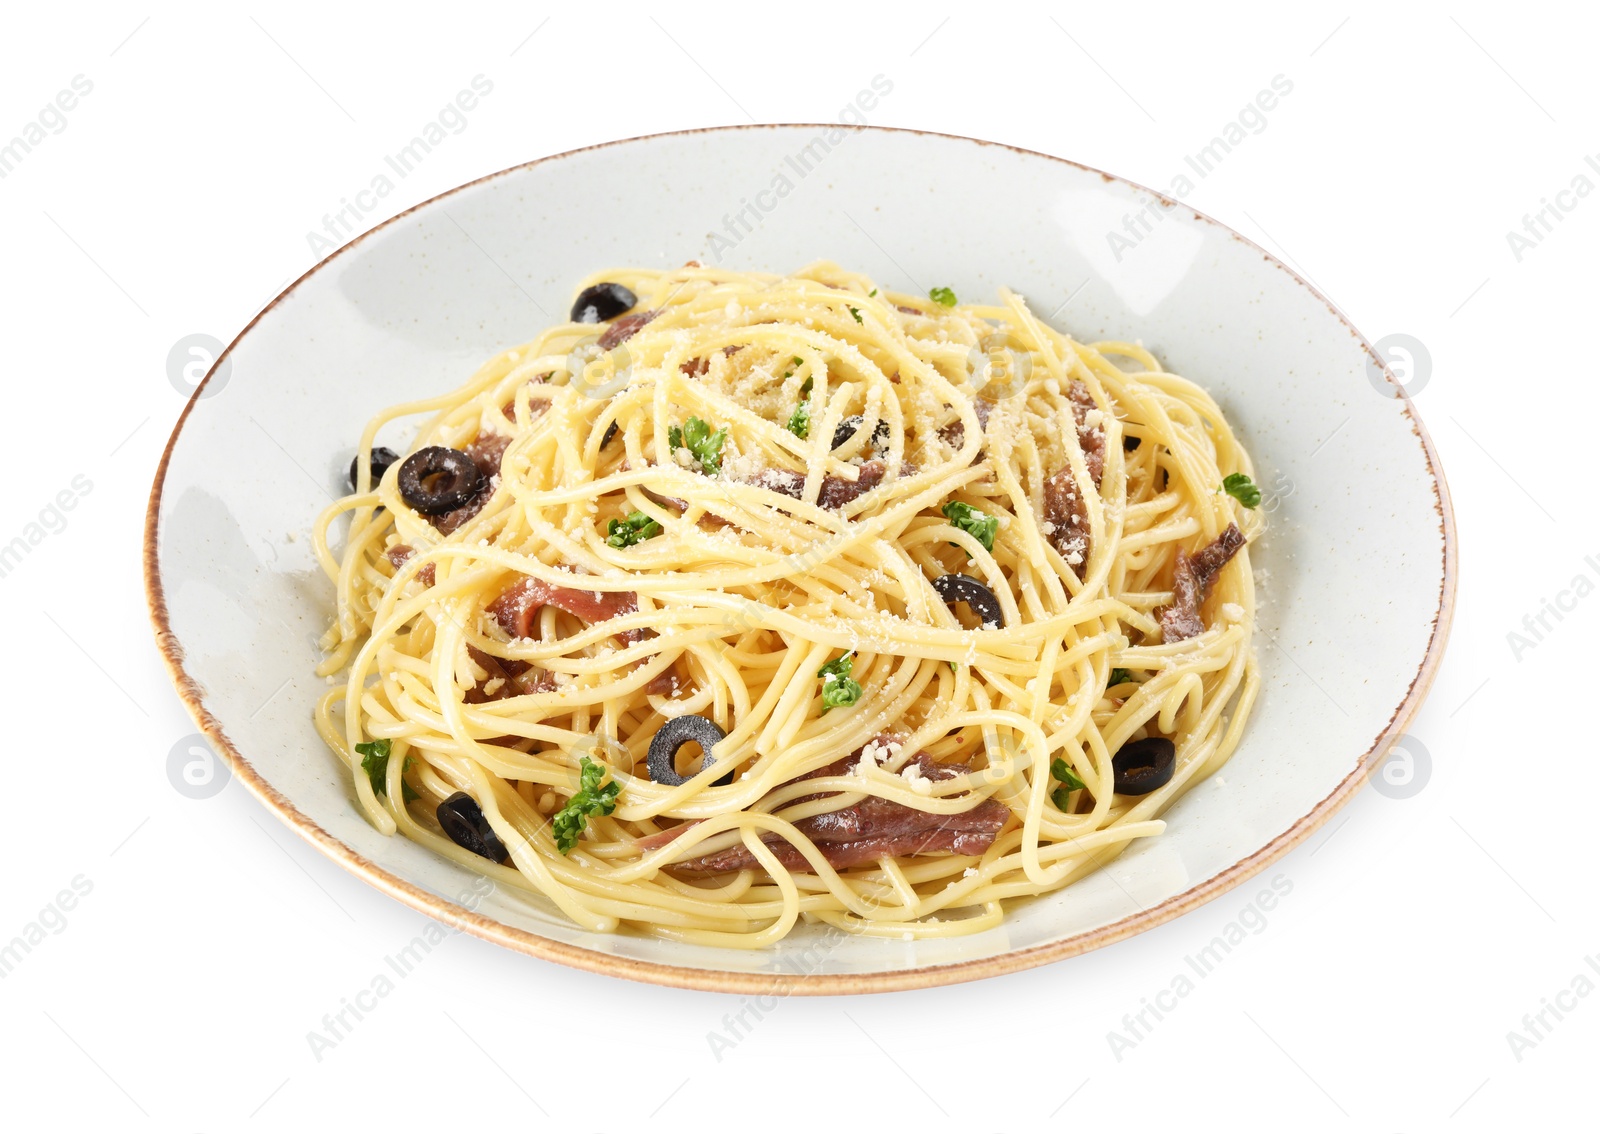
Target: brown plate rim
678, 976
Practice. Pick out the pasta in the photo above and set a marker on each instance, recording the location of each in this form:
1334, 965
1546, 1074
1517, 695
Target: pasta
760, 600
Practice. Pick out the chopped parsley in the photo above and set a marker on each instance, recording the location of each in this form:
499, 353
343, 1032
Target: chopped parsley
696, 436
375, 762
1119, 677
872, 293
591, 799
1070, 782
839, 690
794, 364
1242, 488
979, 525
636, 528
943, 296
800, 420
857, 315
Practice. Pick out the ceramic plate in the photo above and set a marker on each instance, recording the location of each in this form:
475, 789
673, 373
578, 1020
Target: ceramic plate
1351, 480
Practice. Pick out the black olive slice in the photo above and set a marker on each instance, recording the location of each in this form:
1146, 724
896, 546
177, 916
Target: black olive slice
662, 760
846, 429
462, 820
381, 458
1141, 767
979, 598
601, 302
437, 480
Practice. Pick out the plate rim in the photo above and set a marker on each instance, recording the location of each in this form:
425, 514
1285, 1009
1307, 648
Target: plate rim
778, 983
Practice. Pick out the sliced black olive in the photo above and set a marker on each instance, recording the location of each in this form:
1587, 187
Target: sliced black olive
1141, 767
979, 598
381, 458
846, 429
437, 480
462, 820
662, 760
601, 302
611, 431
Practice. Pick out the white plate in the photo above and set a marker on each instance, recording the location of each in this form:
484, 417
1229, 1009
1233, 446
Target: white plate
1357, 568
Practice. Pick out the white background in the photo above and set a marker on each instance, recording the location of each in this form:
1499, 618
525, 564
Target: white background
1418, 931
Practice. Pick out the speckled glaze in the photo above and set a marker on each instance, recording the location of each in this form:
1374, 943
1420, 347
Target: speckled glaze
1357, 570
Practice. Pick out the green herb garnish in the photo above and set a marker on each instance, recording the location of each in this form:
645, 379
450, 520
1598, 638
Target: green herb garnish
794, 364
1070, 783
800, 420
591, 799
839, 690
856, 314
636, 528
375, 762
1242, 488
943, 296
696, 436
979, 525
872, 293
1119, 676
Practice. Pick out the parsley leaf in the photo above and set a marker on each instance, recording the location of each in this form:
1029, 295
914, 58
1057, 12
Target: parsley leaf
590, 799
943, 296
1242, 489
800, 420
857, 315
1119, 677
637, 528
979, 525
794, 364
839, 690
375, 762
1070, 782
696, 436
872, 293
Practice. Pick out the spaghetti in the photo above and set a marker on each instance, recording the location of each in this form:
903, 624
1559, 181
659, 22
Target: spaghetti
755, 600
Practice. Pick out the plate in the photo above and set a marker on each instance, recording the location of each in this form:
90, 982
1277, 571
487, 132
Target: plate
411, 308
